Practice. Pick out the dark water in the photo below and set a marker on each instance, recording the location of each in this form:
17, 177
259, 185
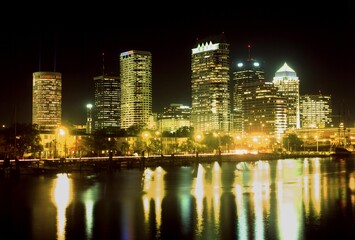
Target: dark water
284, 199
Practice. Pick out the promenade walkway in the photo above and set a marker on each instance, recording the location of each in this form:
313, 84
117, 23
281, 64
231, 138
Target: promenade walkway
97, 164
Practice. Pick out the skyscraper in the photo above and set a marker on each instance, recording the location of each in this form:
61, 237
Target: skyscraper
136, 88
47, 100
258, 108
210, 81
316, 111
107, 105
288, 85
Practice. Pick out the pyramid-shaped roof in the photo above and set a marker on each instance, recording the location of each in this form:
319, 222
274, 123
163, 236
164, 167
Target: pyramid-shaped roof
285, 68
285, 72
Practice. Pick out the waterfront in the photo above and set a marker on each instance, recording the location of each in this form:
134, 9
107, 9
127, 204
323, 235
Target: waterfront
300, 198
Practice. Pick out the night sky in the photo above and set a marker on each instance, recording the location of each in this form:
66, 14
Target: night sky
316, 41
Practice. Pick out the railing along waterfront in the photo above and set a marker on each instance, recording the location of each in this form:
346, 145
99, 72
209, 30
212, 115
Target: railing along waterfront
96, 164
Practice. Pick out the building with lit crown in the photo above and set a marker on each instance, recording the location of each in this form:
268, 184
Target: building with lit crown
288, 85
106, 103
257, 106
316, 111
136, 88
210, 79
47, 100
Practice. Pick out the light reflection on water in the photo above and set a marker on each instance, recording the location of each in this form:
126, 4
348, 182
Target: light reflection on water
153, 191
283, 199
61, 197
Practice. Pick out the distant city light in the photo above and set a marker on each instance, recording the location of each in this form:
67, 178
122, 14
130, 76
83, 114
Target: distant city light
256, 64
89, 105
240, 65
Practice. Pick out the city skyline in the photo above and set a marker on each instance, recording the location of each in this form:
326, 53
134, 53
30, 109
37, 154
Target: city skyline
317, 46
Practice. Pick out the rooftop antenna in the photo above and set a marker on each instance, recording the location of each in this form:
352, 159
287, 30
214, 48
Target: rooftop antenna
249, 50
103, 64
39, 53
55, 51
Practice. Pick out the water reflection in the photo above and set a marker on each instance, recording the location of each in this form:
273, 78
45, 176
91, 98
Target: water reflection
61, 197
198, 192
289, 200
153, 188
89, 197
207, 191
282, 199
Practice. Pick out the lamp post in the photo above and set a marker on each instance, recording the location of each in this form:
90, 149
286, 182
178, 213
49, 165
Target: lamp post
198, 137
317, 142
145, 136
62, 134
89, 119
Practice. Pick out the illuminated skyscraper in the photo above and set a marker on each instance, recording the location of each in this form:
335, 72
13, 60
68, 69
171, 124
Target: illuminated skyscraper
316, 111
136, 88
47, 100
210, 85
288, 86
258, 108
107, 105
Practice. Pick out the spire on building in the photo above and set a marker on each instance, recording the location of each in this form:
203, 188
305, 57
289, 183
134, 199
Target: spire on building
103, 64
249, 51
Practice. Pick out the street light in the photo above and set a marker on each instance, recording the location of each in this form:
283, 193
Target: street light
145, 136
159, 135
198, 138
62, 133
89, 119
317, 142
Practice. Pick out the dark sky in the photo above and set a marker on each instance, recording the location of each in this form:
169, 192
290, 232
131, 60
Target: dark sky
316, 41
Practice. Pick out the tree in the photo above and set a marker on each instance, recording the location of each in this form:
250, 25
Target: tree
21, 139
292, 142
184, 132
227, 141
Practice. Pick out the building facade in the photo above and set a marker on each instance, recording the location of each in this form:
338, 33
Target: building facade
288, 85
210, 81
107, 102
174, 117
258, 107
47, 100
136, 88
316, 111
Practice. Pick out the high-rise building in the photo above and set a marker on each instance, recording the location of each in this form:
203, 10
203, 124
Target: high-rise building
258, 108
136, 88
107, 102
210, 79
288, 85
47, 100
316, 111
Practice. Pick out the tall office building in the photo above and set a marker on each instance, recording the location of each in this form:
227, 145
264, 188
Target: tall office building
288, 85
258, 108
210, 81
107, 102
47, 100
316, 111
136, 88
